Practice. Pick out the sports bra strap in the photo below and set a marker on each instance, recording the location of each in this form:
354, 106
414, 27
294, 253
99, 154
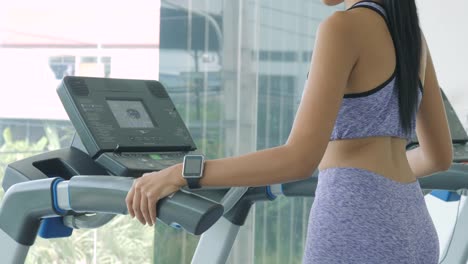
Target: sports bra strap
373, 6
379, 8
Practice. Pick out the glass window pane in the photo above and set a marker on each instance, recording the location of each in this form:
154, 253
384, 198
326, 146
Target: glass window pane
40, 43
235, 70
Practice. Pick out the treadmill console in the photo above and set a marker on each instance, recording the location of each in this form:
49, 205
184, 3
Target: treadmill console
127, 126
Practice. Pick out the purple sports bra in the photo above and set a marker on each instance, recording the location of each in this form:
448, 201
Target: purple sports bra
374, 112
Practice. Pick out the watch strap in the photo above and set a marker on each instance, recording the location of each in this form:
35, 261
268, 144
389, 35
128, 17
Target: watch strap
193, 183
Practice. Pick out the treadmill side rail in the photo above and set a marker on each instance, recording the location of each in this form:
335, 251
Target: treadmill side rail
98, 194
107, 195
216, 243
23, 207
457, 250
11, 251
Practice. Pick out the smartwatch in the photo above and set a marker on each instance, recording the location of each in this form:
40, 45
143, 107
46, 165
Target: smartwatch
192, 170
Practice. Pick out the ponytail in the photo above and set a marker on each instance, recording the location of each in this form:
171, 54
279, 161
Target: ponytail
404, 27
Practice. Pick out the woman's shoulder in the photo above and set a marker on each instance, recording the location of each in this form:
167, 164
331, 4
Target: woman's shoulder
340, 22
340, 25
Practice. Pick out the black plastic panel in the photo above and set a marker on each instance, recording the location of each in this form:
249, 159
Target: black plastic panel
124, 115
63, 163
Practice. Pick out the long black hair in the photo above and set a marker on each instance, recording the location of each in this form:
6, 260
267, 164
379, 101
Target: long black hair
404, 27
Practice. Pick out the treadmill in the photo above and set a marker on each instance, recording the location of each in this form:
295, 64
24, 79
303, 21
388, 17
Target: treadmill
125, 128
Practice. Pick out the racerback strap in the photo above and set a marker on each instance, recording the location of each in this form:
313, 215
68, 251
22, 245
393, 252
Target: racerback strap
371, 5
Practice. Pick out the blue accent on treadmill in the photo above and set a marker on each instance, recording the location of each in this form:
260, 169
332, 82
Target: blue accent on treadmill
53, 228
176, 225
270, 195
447, 196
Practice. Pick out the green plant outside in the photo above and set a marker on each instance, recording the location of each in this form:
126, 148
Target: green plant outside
123, 240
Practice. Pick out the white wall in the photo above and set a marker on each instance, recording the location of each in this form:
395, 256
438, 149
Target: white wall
445, 25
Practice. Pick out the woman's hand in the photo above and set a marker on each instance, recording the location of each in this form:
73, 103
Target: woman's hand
147, 190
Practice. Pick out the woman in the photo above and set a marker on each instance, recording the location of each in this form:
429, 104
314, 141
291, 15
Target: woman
353, 124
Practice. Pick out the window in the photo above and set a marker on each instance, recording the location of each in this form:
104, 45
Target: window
40, 43
235, 70
241, 100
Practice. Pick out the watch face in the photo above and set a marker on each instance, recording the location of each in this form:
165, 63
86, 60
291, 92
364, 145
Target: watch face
193, 166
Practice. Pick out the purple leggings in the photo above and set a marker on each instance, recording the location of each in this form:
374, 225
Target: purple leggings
359, 216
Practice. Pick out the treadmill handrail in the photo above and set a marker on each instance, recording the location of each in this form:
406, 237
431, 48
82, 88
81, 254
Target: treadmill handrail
107, 195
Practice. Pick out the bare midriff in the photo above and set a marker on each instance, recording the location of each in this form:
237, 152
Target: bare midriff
383, 155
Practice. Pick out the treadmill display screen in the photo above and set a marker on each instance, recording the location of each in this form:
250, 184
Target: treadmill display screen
130, 114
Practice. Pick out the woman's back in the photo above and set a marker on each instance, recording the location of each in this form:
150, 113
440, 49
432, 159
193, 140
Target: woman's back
368, 206
385, 155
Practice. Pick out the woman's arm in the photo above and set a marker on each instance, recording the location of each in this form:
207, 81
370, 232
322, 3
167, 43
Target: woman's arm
333, 59
435, 151
265, 167
420, 166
